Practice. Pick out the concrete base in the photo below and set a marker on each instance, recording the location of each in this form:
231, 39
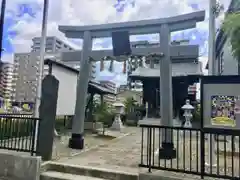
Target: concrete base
160, 175
76, 141
51, 169
52, 175
14, 165
167, 151
117, 124
188, 124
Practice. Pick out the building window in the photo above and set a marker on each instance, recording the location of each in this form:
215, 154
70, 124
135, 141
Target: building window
221, 63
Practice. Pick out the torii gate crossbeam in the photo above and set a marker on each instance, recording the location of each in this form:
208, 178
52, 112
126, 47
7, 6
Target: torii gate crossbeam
176, 52
164, 26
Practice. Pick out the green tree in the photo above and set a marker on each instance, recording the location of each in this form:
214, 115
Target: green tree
103, 114
129, 103
231, 26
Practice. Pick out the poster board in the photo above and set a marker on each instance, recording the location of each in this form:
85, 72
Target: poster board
220, 102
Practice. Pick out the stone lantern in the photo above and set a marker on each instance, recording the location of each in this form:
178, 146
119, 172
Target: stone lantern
119, 110
188, 108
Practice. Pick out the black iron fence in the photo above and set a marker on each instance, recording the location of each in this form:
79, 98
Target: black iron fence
18, 132
205, 152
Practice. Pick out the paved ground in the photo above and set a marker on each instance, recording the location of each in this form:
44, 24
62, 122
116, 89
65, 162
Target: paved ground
119, 154
124, 154
60, 145
61, 150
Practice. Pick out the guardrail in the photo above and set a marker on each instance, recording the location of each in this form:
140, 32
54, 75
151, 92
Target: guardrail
18, 132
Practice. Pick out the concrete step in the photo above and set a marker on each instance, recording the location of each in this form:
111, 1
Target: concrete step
53, 175
88, 171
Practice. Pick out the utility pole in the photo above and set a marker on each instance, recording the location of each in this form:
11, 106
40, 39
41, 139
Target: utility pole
41, 58
3, 7
211, 38
211, 71
215, 9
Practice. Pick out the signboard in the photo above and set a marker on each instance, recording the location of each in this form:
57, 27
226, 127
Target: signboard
222, 111
220, 102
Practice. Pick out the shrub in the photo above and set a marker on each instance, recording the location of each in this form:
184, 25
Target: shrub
104, 114
197, 114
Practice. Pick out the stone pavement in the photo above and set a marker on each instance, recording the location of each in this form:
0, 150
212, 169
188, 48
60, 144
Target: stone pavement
123, 153
61, 150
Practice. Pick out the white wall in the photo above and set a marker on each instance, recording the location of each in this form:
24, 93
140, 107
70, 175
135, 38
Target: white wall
67, 90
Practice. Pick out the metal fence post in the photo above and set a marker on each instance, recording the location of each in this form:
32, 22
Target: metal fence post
202, 153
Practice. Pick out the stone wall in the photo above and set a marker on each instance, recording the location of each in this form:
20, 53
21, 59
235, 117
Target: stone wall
17, 166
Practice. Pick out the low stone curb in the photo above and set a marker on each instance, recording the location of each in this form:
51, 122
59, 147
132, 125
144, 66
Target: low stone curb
90, 171
150, 176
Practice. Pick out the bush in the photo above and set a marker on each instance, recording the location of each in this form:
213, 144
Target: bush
197, 114
104, 114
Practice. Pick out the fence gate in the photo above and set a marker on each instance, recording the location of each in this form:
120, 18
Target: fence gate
194, 155
18, 132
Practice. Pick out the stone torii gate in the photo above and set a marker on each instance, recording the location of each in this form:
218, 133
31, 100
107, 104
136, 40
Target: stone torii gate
164, 26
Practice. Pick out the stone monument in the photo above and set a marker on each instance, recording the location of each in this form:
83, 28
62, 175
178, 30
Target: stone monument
47, 114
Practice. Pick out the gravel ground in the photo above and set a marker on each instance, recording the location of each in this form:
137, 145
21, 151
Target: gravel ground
124, 154
61, 150
60, 145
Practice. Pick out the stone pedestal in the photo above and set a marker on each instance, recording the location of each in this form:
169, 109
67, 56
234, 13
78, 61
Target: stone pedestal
117, 123
76, 141
167, 151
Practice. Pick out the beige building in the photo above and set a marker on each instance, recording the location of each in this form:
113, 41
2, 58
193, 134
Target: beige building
53, 45
136, 95
6, 76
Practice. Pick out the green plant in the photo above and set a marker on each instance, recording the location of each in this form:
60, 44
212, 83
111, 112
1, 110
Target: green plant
104, 115
129, 104
62, 125
197, 114
231, 26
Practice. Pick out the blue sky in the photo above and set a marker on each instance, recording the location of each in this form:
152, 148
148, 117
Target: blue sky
23, 20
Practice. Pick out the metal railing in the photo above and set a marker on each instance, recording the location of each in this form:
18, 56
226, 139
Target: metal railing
205, 152
18, 132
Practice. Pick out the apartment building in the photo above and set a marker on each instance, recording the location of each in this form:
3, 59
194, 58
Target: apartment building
53, 45
26, 71
6, 76
26, 67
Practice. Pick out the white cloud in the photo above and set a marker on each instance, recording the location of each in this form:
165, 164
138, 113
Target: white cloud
75, 12
68, 12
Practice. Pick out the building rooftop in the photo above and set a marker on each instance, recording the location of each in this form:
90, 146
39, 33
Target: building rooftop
92, 84
178, 69
71, 45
